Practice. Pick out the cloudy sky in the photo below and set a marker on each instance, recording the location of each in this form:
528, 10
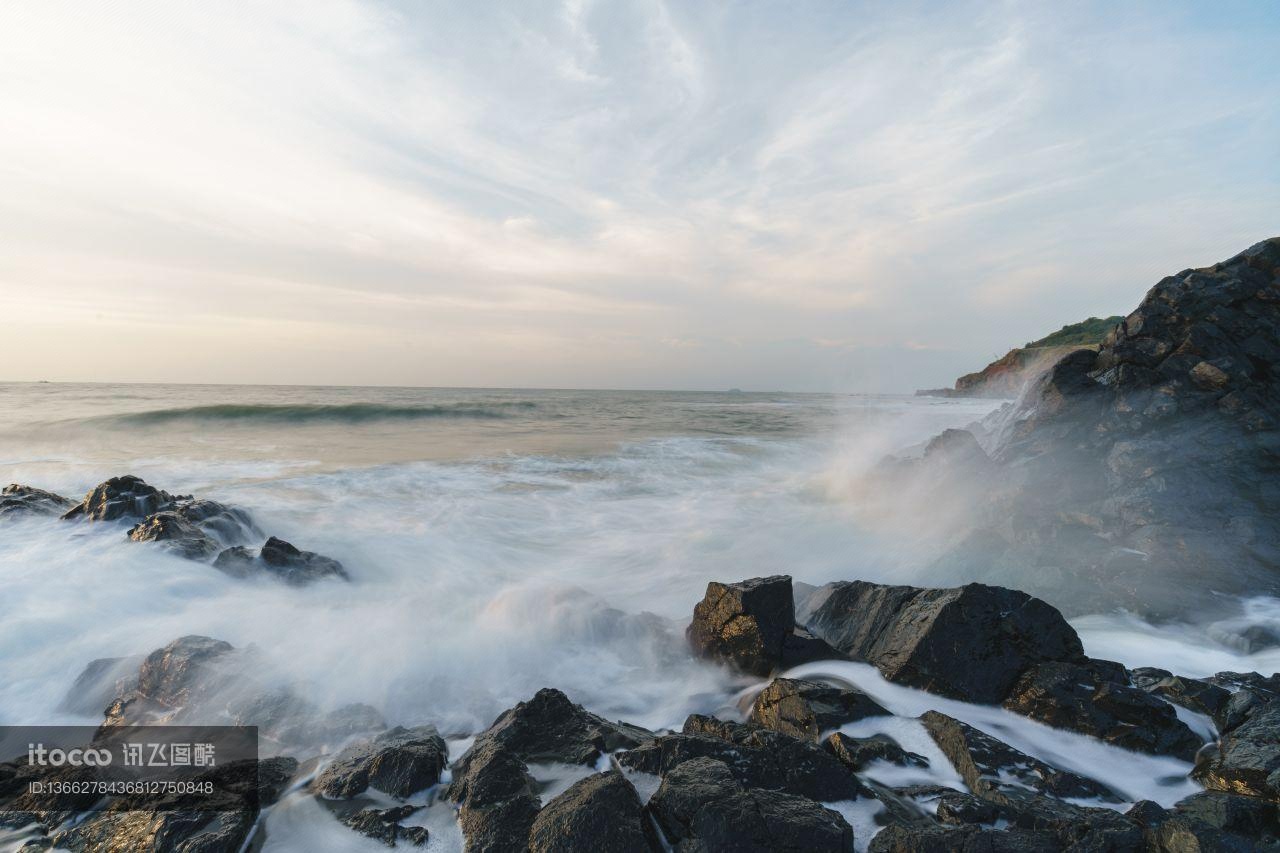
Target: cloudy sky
806, 195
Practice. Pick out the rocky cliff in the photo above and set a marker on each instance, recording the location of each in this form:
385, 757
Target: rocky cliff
1145, 474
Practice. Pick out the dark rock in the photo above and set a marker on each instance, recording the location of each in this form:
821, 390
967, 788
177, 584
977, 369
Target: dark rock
398, 762
960, 809
18, 500
1256, 638
497, 799
168, 675
992, 768
120, 497
968, 643
100, 682
806, 709
751, 626
700, 806
274, 776
1192, 694
1203, 822
967, 839
279, 559
857, 752
598, 814
1080, 698
178, 535
1249, 692
1247, 758
1249, 817
229, 525
384, 825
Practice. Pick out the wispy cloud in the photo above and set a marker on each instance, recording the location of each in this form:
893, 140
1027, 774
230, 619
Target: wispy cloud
623, 193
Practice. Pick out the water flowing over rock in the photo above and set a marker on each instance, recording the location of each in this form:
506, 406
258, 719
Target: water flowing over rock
384, 825
176, 534
968, 643
278, 558
857, 752
806, 709
1247, 759
398, 762
120, 497
16, 500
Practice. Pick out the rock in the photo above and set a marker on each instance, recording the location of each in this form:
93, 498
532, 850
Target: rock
1247, 758
1208, 821
1249, 817
1145, 473
279, 559
967, 839
1249, 692
497, 799
1259, 638
176, 534
398, 762
274, 776
857, 752
751, 626
1094, 702
700, 806
598, 814
16, 500
229, 525
959, 809
100, 682
384, 825
807, 709
1192, 694
969, 643
992, 769
120, 497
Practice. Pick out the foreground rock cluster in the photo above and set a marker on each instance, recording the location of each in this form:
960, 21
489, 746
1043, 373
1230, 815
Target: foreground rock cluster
196, 529
782, 777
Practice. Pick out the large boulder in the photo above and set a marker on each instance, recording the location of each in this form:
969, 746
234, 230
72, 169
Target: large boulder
16, 499
1191, 693
807, 709
598, 814
497, 799
857, 752
1096, 699
176, 534
398, 762
279, 559
120, 497
701, 806
970, 642
751, 625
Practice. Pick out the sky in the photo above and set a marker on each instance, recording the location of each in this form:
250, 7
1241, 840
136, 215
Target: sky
824, 196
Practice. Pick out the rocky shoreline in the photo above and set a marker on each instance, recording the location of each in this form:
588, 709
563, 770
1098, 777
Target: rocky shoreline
783, 776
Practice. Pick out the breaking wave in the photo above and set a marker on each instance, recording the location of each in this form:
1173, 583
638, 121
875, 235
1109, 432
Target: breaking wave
314, 413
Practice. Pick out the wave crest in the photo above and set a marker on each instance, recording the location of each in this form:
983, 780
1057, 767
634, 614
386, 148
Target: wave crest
313, 413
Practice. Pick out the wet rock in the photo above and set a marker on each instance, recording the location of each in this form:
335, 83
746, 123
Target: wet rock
967, 839
857, 752
992, 769
1093, 702
700, 806
166, 680
497, 799
1198, 824
229, 525
176, 534
274, 776
120, 497
959, 809
1248, 817
279, 559
806, 709
384, 825
1258, 638
16, 500
1192, 694
1249, 692
598, 814
750, 625
100, 682
398, 762
1247, 758
968, 643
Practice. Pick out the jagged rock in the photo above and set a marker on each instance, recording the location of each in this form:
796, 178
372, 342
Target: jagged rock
497, 799
1247, 758
166, 680
1249, 692
17, 500
700, 806
1249, 817
279, 559
857, 752
965, 839
1096, 702
178, 535
398, 762
229, 525
960, 809
758, 757
598, 814
120, 497
751, 625
992, 768
1192, 694
1208, 821
1145, 473
969, 643
806, 709
1258, 638
384, 825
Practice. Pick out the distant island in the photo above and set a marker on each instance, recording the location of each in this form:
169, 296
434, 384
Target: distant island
1006, 376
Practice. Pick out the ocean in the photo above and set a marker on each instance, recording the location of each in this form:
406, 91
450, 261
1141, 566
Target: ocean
499, 541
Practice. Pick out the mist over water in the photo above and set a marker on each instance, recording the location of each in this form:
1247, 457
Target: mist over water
498, 541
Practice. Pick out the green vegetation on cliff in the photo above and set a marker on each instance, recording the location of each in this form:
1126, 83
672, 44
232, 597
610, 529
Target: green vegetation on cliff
1085, 333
